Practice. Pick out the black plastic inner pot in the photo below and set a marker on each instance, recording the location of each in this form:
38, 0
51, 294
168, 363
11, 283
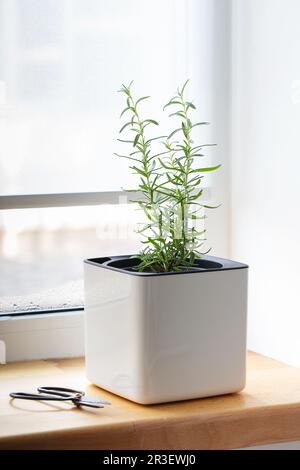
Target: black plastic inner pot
128, 264
131, 264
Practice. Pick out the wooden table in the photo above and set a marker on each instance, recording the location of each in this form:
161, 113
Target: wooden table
267, 411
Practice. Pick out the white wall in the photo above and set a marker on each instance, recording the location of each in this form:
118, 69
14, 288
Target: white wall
266, 169
208, 56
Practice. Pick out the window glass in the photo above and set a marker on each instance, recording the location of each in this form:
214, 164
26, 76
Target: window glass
42, 252
61, 64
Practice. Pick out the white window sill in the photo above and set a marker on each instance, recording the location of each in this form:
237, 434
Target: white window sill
41, 336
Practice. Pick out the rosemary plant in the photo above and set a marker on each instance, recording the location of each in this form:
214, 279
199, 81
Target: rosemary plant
170, 184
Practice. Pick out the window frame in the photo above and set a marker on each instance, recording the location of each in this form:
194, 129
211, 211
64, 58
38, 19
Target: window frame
57, 332
61, 333
37, 201
55, 200
39, 336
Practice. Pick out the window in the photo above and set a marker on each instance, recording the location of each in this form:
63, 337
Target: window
42, 252
61, 63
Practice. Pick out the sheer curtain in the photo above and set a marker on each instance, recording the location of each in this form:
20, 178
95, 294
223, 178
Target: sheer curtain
61, 64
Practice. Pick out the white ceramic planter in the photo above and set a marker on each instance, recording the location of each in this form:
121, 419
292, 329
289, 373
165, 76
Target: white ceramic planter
166, 337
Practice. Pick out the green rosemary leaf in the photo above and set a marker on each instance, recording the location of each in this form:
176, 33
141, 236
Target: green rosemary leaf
129, 190
173, 133
178, 113
128, 157
183, 88
200, 124
189, 104
125, 141
136, 139
139, 171
124, 127
151, 121
155, 138
210, 168
206, 206
171, 103
141, 99
125, 110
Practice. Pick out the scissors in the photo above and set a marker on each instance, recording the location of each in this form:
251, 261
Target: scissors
77, 397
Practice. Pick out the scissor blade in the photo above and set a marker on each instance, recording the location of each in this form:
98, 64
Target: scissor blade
90, 405
92, 402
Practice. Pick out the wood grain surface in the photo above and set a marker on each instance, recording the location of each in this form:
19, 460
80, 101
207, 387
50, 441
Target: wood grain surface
267, 411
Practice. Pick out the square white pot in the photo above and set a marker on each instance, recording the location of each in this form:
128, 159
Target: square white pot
156, 338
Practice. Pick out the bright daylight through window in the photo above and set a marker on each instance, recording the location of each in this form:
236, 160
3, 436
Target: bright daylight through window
61, 63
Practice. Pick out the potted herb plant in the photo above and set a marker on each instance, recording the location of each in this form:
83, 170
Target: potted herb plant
169, 323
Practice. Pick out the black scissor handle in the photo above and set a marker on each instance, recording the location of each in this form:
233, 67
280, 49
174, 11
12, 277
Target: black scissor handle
61, 392
38, 396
